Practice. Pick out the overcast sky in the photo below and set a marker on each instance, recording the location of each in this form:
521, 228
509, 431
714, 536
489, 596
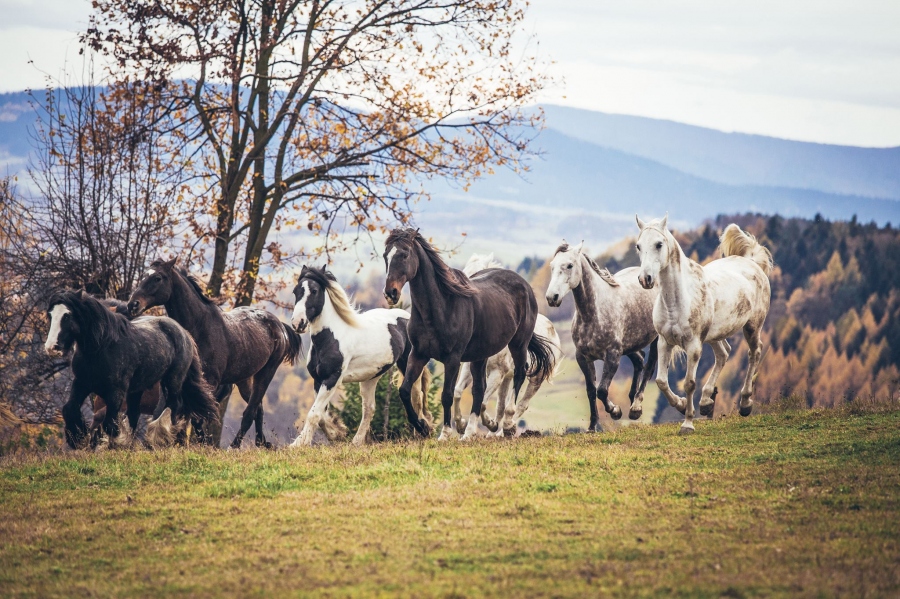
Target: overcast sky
810, 70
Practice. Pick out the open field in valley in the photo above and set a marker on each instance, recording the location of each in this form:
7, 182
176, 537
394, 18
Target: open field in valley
794, 502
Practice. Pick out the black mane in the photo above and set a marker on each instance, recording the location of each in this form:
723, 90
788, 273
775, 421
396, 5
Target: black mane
191, 279
453, 281
322, 276
100, 326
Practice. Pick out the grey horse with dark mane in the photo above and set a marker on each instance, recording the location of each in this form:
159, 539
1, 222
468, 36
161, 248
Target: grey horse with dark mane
455, 319
242, 347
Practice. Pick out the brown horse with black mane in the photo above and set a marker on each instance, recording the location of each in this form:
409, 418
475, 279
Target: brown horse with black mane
455, 319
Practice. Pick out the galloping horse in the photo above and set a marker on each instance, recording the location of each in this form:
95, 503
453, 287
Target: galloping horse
119, 360
500, 369
705, 304
455, 319
348, 347
243, 347
612, 319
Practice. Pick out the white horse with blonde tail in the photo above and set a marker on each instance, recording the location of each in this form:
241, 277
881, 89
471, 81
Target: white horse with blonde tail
500, 370
705, 304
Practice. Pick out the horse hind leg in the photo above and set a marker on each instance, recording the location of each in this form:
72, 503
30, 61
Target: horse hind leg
637, 362
721, 349
367, 394
752, 335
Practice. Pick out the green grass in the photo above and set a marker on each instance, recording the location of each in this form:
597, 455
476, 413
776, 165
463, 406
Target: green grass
789, 503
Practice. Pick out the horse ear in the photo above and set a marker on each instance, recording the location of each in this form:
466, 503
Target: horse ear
663, 222
171, 263
579, 247
640, 223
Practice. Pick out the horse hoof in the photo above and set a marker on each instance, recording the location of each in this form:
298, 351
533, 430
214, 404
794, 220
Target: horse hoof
635, 414
509, 432
707, 410
686, 430
616, 412
745, 411
595, 428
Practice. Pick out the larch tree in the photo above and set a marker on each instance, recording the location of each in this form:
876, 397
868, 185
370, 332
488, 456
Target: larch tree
326, 115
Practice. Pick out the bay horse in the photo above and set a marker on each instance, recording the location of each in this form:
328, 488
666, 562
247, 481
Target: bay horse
613, 318
705, 304
455, 319
242, 347
500, 369
348, 346
119, 360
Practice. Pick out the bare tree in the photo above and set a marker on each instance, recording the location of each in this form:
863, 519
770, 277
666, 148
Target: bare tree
100, 198
325, 113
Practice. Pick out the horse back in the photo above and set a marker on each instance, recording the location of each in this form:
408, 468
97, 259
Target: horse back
740, 293
504, 309
252, 336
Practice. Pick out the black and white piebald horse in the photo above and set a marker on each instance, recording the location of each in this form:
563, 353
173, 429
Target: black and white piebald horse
455, 319
119, 360
348, 347
242, 347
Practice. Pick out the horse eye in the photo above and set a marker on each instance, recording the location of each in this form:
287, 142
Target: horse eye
659, 245
569, 267
157, 278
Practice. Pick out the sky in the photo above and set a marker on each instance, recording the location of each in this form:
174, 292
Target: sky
808, 70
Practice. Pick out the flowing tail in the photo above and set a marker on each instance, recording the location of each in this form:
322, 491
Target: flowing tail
543, 358
735, 242
197, 395
295, 344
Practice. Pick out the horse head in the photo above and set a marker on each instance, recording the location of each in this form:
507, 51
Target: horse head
565, 272
654, 248
401, 262
155, 287
309, 296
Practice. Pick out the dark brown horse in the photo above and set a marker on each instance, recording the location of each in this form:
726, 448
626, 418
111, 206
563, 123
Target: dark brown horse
242, 347
455, 319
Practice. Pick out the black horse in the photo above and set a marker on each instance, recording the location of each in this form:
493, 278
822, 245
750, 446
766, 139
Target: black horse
455, 319
119, 360
243, 347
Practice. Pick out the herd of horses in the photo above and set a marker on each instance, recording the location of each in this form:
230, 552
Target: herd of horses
482, 323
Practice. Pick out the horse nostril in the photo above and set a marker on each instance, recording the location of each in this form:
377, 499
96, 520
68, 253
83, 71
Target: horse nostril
555, 298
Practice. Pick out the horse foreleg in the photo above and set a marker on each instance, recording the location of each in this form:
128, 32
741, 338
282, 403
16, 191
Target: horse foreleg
754, 355
662, 376
694, 351
76, 430
649, 365
414, 366
707, 401
479, 385
367, 394
316, 413
451, 372
110, 423
464, 379
610, 366
590, 386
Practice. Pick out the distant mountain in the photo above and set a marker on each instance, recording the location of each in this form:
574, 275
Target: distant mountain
738, 158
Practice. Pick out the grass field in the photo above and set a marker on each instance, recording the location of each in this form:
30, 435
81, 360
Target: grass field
789, 503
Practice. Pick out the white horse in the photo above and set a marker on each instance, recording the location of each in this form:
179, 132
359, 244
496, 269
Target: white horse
348, 347
705, 304
500, 369
612, 319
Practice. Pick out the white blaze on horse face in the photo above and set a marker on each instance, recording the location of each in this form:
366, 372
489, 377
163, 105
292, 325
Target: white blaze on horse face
654, 252
56, 317
298, 318
390, 257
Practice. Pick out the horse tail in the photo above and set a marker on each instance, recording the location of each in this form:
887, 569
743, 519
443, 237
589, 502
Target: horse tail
735, 242
295, 344
543, 358
196, 393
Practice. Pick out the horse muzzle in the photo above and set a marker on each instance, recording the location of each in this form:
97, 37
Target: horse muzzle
646, 281
392, 296
55, 351
553, 300
301, 325
135, 307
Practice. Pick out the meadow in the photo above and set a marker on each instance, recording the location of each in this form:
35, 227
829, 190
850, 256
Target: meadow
792, 502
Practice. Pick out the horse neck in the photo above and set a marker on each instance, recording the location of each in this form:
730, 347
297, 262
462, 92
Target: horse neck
675, 283
188, 310
330, 319
428, 301
588, 292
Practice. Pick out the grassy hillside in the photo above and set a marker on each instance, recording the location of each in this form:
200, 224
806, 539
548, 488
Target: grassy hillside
795, 502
